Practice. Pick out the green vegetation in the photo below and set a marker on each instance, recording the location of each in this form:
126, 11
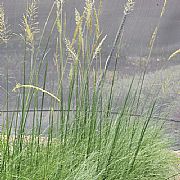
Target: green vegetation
85, 139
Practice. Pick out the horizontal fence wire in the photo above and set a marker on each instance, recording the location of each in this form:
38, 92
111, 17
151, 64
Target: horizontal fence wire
74, 110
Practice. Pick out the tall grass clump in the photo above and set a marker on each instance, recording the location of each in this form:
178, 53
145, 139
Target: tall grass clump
84, 139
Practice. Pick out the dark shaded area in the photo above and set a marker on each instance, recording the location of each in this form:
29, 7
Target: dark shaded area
138, 29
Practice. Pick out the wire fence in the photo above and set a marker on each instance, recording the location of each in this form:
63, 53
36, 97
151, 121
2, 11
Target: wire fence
74, 110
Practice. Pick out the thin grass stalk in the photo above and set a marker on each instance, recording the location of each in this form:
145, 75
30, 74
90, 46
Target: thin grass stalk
62, 67
44, 28
41, 113
99, 128
117, 127
72, 79
128, 8
140, 85
45, 50
108, 109
146, 123
154, 35
77, 113
21, 130
16, 128
58, 74
93, 120
9, 133
33, 134
43, 57
118, 35
85, 101
6, 152
49, 141
110, 100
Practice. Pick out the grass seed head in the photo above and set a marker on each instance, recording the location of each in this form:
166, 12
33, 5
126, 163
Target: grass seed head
30, 21
5, 33
129, 6
88, 12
